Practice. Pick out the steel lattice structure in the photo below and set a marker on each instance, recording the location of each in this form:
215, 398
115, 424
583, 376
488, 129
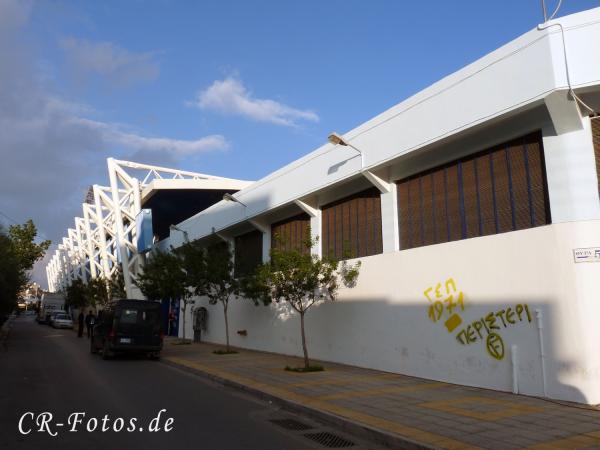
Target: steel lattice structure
104, 239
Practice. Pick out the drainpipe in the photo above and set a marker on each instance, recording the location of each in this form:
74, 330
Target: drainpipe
540, 327
515, 368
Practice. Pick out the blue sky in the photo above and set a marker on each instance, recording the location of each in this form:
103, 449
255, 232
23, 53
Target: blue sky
346, 61
230, 88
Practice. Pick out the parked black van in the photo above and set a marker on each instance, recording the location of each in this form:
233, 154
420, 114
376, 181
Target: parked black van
128, 326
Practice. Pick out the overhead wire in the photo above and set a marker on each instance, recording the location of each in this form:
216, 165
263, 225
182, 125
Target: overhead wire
545, 26
555, 11
545, 11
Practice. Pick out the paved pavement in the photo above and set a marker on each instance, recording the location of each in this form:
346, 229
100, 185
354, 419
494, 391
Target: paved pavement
47, 370
399, 408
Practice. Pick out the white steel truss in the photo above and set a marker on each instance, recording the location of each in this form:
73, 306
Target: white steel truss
104, 239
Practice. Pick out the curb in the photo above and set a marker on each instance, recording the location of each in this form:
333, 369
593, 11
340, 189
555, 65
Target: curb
362, 431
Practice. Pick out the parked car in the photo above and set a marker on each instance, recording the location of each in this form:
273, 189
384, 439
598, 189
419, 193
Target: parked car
128, 326
62, 321
51, 315
50, 302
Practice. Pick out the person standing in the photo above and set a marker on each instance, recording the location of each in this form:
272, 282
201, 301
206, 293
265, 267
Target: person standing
89, 322
80, 319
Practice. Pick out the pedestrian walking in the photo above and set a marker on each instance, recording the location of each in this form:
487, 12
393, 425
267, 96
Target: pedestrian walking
89, 323
80, 320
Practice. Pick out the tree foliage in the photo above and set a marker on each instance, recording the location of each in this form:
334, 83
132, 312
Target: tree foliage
11, 277
25, 248
164, 277
301, 279
210, 273
192, 269
76, 295
18, 254
96, 292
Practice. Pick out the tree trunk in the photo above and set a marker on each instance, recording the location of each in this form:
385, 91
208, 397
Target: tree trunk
226, 325
304, 349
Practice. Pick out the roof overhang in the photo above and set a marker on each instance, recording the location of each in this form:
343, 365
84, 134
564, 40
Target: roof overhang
200, 184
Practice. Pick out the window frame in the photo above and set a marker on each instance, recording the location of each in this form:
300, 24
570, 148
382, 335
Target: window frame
449, 213
355, 216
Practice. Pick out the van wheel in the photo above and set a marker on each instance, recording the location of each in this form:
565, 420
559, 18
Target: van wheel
154, 356
106, 353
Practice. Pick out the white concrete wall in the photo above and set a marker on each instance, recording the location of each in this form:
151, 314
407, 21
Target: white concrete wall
383, 323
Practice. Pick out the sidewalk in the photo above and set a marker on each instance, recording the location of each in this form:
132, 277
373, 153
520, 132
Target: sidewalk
397, 409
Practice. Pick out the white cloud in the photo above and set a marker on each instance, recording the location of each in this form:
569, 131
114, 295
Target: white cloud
114, 134
230, 96
51, 150
115, 63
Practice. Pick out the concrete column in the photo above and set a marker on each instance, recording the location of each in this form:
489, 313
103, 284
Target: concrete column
266, 249
265, 229
312, 208
315, 232
571, 173
389, 208
389, 220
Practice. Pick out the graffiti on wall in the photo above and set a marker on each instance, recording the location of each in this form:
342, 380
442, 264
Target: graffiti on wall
447, 304
486, 327
444, 299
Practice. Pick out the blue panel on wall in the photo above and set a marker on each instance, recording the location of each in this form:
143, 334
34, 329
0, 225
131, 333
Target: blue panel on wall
145, 235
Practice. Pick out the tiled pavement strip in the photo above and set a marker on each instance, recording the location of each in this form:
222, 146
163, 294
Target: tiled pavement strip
433, 414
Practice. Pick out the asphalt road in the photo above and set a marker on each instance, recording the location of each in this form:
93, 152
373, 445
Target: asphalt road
48, 370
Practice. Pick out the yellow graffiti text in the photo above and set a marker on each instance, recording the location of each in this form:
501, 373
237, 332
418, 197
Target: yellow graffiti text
486, 325
444, 300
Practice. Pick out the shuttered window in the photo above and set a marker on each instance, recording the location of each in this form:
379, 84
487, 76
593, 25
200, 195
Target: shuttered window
248, 253
291, 234
497, 190
596, 138
351, 227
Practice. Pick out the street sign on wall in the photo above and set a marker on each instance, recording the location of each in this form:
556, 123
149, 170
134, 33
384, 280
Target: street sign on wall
590, 254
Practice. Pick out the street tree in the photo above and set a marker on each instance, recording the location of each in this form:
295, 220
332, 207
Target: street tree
210, 274
18, 253
164, 277
27, 250
11, 276
116, 285
76, 294
97, 293
301, 279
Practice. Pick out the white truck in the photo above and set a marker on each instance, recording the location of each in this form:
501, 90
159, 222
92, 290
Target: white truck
50, 302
